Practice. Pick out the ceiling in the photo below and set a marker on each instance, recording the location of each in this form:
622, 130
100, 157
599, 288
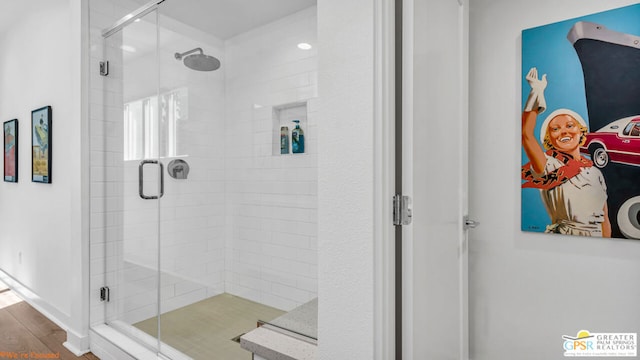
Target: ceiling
221, 18
227, 18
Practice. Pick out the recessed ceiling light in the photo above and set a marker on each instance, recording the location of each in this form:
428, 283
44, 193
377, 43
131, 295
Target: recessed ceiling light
304, 46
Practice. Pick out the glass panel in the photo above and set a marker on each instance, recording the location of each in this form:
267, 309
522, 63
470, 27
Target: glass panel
130, 137
238, 236
234, 238
192, 226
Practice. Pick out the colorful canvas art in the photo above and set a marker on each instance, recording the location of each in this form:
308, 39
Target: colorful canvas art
41, 145
10, 150
581, 126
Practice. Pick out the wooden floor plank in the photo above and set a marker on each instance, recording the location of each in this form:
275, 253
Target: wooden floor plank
38, 324
26, 333
15, 338
90, 356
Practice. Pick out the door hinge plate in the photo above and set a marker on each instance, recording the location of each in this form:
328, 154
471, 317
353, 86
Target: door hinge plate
105, 293
104, 68
401, 210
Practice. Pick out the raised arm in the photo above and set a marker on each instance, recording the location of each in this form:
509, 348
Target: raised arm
535, 105
531, 146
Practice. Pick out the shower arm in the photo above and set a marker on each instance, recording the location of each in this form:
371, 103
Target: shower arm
179, 56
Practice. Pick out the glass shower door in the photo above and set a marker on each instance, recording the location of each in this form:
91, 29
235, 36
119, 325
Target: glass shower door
133, 176
165, 146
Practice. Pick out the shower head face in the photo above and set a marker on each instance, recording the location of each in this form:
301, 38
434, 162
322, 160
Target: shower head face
202, 62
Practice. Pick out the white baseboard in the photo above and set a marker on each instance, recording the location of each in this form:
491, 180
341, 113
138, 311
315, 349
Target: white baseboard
78, 344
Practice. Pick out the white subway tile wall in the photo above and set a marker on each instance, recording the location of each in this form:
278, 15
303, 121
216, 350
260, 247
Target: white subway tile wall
271, 200
245, 221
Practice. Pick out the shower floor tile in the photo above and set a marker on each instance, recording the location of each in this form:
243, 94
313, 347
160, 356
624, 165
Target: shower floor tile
204, 330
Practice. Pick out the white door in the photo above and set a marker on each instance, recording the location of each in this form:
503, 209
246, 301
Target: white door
435, 168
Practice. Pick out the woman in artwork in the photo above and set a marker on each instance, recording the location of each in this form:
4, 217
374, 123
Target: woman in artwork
573, 190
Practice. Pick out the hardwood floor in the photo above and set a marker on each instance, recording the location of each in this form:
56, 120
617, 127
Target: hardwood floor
27, 334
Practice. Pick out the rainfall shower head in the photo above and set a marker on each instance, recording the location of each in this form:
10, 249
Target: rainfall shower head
200, 62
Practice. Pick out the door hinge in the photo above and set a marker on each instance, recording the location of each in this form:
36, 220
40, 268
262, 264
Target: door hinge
104, 68
401, 210
468, 223
105, 294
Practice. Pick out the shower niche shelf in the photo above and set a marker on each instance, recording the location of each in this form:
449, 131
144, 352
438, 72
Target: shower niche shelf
283, 115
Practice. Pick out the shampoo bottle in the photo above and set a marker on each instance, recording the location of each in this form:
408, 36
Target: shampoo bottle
284, 140
297, 139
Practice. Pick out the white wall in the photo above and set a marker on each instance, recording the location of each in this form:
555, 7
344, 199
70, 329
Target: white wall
346, 179
527, 290
272, 199
40, 240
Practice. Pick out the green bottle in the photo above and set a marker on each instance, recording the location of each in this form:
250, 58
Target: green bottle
297, 139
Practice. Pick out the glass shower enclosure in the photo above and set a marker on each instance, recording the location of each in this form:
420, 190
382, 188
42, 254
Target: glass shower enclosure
199, 224
147, 202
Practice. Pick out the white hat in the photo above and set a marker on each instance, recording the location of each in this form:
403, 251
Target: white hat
545, 124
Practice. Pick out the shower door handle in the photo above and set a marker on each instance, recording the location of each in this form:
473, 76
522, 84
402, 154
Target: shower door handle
141, 179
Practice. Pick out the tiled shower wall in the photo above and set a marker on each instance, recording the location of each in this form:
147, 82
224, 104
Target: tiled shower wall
245, 220
271, 250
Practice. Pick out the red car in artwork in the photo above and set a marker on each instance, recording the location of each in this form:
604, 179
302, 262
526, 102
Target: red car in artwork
617, 142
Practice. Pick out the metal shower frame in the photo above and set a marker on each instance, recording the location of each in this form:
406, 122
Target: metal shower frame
131, 17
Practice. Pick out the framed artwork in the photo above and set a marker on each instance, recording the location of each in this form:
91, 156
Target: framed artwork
11, 150
41, 145
581, 126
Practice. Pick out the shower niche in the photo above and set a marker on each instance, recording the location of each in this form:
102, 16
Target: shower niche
283, 116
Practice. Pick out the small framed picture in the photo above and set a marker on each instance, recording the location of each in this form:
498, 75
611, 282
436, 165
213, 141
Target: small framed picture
11, 150
41, 145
